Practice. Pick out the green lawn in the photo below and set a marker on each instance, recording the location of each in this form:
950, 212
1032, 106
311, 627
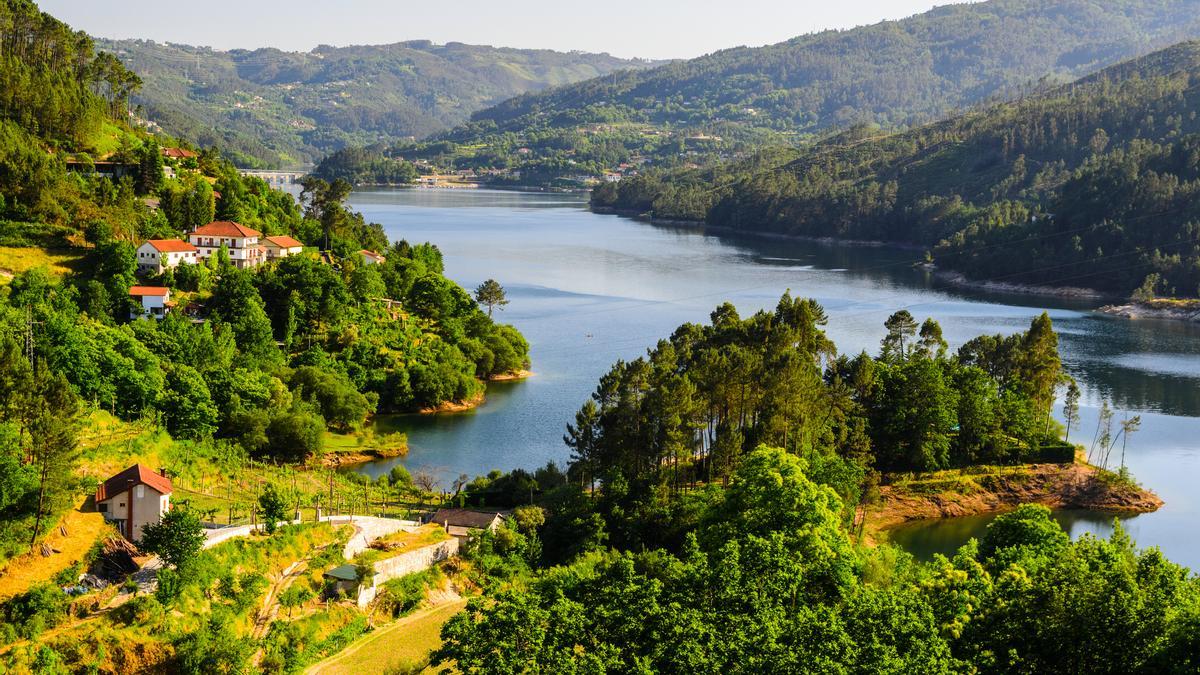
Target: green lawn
15, 260
407, 641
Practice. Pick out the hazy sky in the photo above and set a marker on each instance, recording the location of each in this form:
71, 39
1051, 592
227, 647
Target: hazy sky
645, 28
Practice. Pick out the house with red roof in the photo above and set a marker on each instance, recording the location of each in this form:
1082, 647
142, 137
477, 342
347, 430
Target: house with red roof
241, 242
154, 301
371, 257
157, 255
178, 153
281, 247
133, 499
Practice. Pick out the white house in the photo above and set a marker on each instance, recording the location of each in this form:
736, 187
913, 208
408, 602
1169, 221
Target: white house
241, 242
371, 257
155, 301
156, 255
134, 498
281, 247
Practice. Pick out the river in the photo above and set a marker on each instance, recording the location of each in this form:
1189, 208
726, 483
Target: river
587, 290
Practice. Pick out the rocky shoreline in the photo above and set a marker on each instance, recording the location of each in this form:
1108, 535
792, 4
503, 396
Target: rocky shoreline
1165, 312
1058, 486
960, 280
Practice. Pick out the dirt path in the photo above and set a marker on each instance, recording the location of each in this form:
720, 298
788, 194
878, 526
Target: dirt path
270, 606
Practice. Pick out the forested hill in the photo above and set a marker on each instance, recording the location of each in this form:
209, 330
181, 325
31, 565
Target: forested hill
1092, 184
271, 107
895, 74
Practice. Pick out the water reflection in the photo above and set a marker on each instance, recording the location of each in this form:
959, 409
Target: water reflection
944, 536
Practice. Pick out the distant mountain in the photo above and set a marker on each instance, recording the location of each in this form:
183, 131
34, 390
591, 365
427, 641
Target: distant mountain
894, 74
1093, 184
272, 107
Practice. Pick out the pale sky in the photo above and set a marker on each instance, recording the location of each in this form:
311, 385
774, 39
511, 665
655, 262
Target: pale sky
645, 28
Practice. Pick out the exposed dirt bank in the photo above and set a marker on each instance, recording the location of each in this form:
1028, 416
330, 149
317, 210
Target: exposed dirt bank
962, 493
455, 406
513, 376
1168, 310
336, 459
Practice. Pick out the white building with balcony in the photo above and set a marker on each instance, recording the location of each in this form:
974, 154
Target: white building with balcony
241, 242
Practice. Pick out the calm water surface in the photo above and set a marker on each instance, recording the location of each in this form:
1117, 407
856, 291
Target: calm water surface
587, 290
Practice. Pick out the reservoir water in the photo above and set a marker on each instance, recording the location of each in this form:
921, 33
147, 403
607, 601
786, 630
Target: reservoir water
587, 290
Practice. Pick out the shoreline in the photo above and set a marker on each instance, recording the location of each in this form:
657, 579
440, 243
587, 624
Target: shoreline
951, 277
958, 493
514, 376
455, 406
339, 459
1168, 311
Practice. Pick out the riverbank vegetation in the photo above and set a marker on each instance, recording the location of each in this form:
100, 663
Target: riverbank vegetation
1089, 184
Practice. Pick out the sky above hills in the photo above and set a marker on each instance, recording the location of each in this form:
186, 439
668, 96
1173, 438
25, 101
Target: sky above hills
643, 28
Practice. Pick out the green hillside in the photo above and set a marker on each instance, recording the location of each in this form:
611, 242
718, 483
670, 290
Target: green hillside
894, 74
270, 107
1092, 184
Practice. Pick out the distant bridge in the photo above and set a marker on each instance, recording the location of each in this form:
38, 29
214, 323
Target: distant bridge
275, 178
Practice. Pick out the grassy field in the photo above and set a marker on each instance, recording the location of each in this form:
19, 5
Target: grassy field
70, 539
404, 542
405, 642
59, 262
222, 484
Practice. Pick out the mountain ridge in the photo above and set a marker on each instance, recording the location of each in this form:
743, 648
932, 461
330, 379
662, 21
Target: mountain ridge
270, 107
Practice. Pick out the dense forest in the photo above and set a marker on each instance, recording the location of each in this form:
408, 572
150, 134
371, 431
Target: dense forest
266, 357
1090, 184
709, 521
894, 74
266, 107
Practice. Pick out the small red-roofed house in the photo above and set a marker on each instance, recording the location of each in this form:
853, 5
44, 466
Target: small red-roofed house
157, 255
134, 498
155, 301
371, 257
281, 246
178, 153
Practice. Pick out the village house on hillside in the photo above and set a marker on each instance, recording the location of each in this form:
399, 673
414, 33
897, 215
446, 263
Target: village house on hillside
134, 498
371, 257
281, 246
155, 301
459, 523
241, 242
157, 255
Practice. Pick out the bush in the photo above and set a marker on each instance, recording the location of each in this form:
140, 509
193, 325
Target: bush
401, 596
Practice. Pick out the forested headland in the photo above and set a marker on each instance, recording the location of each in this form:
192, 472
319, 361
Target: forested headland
1089, 184
710, 520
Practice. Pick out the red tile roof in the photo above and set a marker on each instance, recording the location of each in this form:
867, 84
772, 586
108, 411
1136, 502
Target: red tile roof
371, 254
283, 241
226, 228
134, 475
142, 291
177, 153
171, 246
